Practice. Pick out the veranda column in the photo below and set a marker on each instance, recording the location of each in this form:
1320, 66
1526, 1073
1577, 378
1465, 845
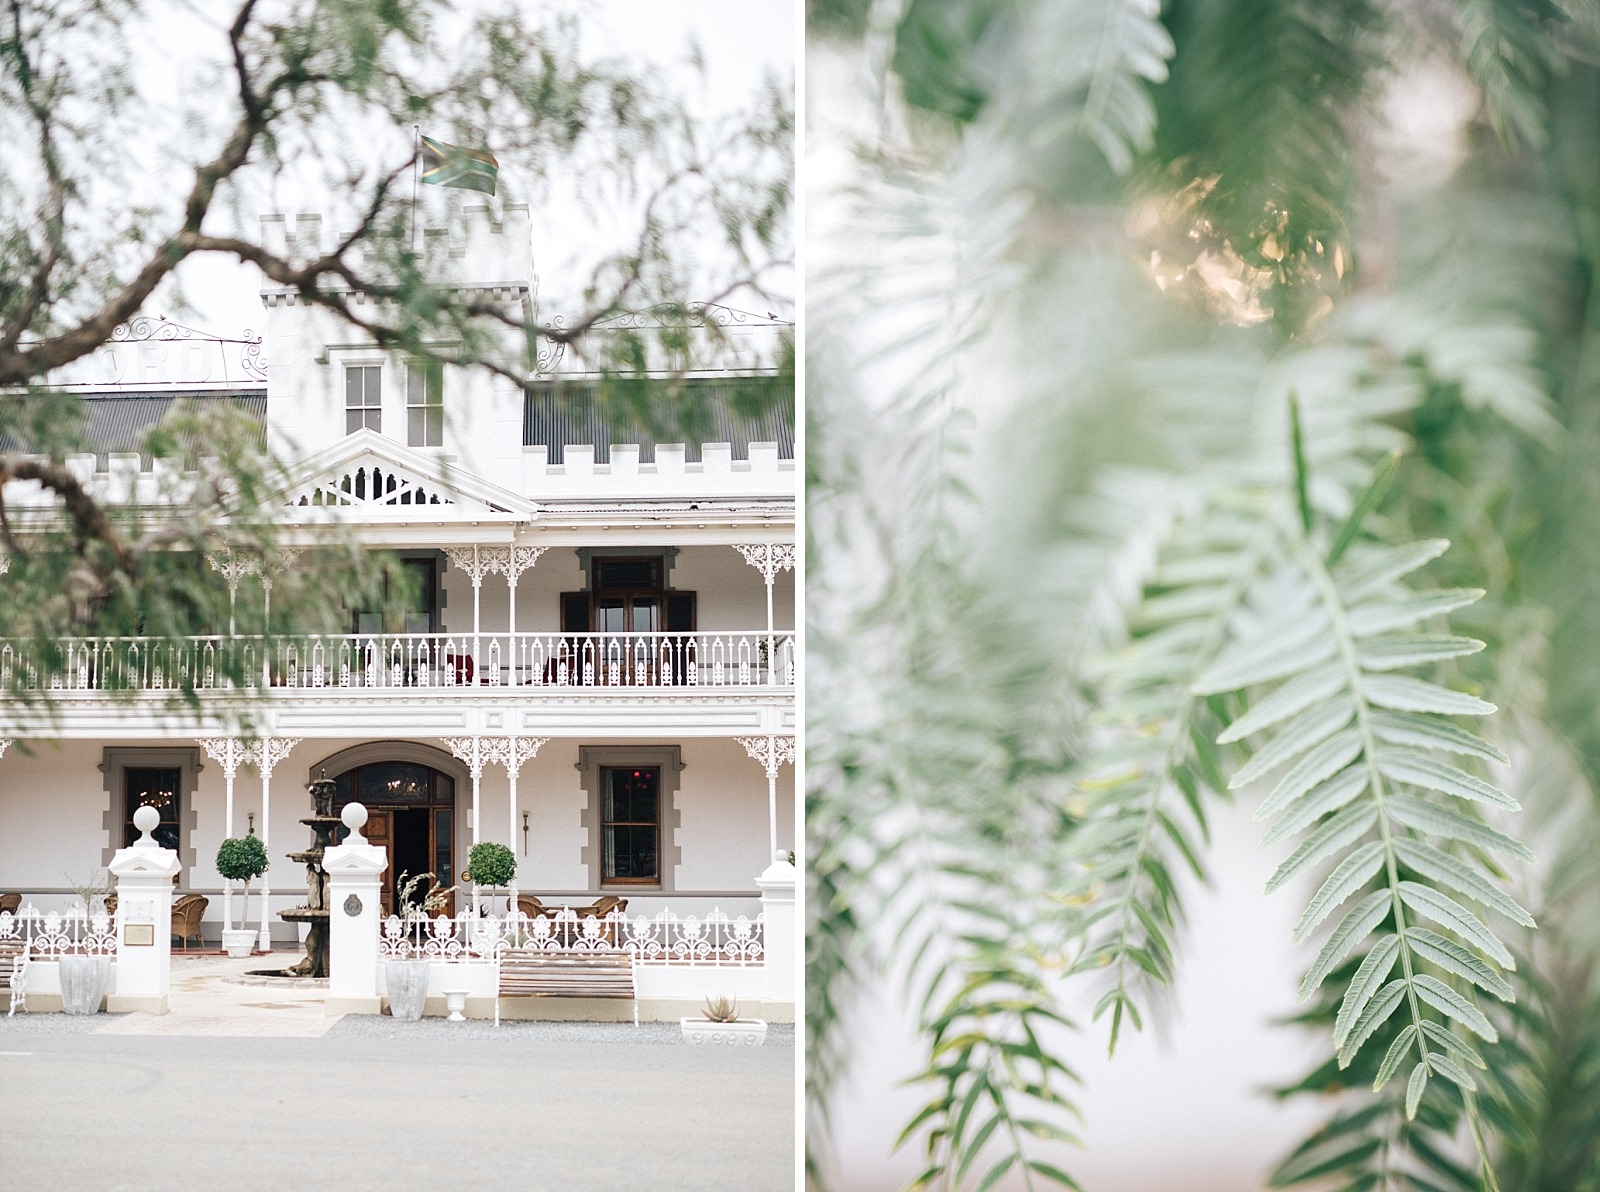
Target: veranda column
521, 559
769, 558
269, 752
354, 869
229, 753
284, 561
470, 751
143, 872
233, 568
518, 751
771, 751
470, 562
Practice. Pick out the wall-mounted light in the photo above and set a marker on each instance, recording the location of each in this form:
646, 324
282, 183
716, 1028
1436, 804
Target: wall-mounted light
251, 816
524, 833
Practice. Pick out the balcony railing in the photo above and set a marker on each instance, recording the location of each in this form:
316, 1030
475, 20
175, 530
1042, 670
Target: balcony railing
740, 659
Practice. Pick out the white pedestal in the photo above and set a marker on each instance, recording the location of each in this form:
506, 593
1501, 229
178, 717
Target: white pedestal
778, 911
143, 873
353, 869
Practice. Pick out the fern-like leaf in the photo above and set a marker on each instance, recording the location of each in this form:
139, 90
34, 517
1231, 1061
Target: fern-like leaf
1378, 839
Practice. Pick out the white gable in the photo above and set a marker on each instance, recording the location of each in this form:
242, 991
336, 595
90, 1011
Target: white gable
368, 470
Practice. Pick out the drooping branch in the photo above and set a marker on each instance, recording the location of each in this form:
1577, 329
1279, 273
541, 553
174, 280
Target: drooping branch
89, 521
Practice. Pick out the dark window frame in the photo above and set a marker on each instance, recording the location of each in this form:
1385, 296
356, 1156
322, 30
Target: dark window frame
608, 775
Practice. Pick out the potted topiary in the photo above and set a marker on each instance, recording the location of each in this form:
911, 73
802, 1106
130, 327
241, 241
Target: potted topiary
719, 1023
241, 859
490, 864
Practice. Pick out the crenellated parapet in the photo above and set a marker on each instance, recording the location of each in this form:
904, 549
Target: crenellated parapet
479, 246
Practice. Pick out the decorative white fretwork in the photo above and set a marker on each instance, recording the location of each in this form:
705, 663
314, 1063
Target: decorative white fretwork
5, 563
269, 751
5, 744
233, 566
771, 752
511, 752
522, 558
371, 485
228, 752
469, 752
769, 558
479, 561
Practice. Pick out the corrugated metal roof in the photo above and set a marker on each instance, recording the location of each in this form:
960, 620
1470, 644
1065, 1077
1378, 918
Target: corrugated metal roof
707, 411
118, 422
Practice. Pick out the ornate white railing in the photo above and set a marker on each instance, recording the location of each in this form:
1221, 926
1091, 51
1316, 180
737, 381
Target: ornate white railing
664, 938
50, 934
410, 660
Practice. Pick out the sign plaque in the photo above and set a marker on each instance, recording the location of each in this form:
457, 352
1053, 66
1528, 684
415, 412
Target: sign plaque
352, 906
139, 935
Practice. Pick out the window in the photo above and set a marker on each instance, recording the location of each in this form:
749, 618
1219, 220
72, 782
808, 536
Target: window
419, 613
166, 778
363, 398
425, 404
630, 824
156, 788
631, 817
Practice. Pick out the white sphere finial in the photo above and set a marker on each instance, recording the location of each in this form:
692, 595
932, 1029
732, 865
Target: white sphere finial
145, 818
354, 816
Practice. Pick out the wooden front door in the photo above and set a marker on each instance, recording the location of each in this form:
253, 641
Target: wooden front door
411, 816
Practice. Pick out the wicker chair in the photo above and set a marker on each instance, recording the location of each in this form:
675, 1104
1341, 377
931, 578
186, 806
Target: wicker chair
603, 906
10, 902
186, 913
533, 908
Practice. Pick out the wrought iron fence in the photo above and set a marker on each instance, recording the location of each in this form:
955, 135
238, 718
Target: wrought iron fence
411, 660
50, 934
664, 938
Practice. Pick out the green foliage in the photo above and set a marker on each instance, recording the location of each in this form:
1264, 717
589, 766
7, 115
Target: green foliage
1054, 645
242, 858
491, 864
90, 237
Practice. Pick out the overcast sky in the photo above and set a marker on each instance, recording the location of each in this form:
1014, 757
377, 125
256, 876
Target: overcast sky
741, 43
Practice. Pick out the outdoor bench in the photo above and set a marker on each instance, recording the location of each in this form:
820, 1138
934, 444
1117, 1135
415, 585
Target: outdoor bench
531, 973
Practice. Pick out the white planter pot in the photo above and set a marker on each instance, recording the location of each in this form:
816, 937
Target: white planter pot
743, 1032
83, 983
239, 941
408, 988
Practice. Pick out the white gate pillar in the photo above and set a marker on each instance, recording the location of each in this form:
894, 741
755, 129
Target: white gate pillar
143, 872
779, 931
354, 870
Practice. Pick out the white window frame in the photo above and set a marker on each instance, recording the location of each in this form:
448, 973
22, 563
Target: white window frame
368, 415
424, 403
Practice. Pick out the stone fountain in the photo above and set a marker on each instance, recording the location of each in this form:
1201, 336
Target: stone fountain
323, 824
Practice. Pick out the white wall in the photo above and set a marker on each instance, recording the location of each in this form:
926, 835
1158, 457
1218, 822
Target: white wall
309, 348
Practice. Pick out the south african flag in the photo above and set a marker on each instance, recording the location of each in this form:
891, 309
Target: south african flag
450, 165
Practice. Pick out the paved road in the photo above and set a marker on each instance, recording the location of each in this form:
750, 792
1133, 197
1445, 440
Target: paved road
535, 1107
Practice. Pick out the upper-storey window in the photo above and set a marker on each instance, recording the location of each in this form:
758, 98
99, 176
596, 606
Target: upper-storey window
425, 404
363, 397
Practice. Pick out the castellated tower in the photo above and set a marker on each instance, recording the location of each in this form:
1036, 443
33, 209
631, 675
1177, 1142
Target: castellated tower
322, 369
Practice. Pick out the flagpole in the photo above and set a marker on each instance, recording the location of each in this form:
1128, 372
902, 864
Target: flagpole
416, 161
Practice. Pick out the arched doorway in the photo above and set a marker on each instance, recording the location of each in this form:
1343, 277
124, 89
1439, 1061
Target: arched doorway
410, 795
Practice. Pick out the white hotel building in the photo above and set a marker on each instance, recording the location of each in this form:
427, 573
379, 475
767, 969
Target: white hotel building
600, 671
